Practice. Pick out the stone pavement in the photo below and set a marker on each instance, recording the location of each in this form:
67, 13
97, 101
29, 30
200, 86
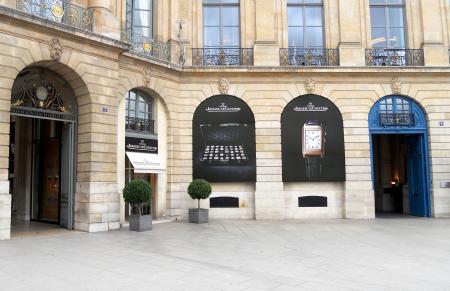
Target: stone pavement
381, 254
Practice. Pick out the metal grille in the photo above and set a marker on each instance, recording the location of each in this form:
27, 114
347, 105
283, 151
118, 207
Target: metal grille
297, 56
147, 46
222, 57
397, 119
59, 11
394, 57
139, 125
41, 113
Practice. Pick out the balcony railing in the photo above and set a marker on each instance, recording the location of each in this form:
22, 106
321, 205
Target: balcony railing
222, 57
297, 56
139, 125
59, 11
397, 119
147, 46
394, 57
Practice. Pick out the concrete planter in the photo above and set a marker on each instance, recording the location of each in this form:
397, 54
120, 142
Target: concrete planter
140, 222
198, 215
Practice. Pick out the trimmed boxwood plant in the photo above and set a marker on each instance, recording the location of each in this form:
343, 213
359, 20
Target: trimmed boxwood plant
199, 189
136, 193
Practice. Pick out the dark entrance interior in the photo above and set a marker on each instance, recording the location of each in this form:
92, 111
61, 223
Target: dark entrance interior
38, 170
399, 174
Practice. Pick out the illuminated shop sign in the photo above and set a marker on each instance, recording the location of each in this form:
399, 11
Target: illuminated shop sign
141, 145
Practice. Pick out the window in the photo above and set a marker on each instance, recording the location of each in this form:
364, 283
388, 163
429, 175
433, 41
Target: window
139, 112
139, 19
396, 111
388, 23
305, 23
221, 23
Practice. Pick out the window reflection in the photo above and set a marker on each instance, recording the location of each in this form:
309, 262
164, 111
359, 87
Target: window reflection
140, 17
305, 23
221, 26
388, 23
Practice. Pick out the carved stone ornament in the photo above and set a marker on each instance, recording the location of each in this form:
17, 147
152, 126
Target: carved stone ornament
223, 85
147, 76
56, 49
310, 86
396, 86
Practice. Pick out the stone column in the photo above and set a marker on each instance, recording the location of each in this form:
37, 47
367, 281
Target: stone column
105, 22
265, 46
5, 197
359, 197
269, 195
351, 48
8, 3
434, 45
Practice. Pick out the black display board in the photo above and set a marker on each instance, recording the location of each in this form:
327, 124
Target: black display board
312, 141
141, 145
223, 139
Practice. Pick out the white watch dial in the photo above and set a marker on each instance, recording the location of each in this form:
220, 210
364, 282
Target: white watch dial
313, 139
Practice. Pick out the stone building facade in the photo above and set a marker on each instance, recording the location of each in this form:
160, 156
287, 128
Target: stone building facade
87, 44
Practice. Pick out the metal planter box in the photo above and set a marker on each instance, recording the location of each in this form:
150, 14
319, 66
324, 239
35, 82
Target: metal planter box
197, 215
140, 222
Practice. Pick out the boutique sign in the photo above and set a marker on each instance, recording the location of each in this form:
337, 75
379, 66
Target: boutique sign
312, 141
222, 108
141, 145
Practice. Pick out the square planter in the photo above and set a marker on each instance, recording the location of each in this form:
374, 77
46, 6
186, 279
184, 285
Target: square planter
197, 215
140, 222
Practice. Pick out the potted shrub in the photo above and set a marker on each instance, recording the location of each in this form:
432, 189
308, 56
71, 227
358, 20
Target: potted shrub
199, 189
138, 193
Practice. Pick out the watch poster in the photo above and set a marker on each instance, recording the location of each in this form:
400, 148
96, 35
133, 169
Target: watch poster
312, 141
223, 140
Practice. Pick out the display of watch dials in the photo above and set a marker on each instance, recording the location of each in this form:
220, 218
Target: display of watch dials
224, 155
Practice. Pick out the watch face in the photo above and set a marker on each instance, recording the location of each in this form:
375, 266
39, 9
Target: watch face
313, 139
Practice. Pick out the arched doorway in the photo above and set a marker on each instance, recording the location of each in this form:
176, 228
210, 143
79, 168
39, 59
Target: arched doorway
399, 153
42, 148
142, 152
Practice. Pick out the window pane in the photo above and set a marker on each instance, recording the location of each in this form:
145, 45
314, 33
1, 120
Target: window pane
142, 4
230, 36
377, 17
295, 16
144, 31
142, 18
379, 37
295, 36
395, 16
212, 36
313, 37
313, 16
396, 38
230, 16
211, 16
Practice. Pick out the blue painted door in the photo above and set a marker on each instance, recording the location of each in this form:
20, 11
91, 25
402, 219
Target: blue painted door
418, 204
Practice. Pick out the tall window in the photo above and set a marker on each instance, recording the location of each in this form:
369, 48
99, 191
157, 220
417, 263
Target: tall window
305, 23
139, 112
221, 23
388, 23
140, 17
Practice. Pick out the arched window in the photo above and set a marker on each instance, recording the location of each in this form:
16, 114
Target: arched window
139, 112
395, 110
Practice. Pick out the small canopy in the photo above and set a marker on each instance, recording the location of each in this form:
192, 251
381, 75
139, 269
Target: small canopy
145, 163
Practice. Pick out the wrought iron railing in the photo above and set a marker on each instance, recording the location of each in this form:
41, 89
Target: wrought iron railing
59, 11
298, 56
222, 57
139, 125
146, 45
394, 57
397, 119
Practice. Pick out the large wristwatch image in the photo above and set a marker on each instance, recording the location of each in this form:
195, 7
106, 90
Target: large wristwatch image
313, 141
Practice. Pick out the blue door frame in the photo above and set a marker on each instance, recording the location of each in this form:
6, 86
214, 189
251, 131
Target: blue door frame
415, 125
